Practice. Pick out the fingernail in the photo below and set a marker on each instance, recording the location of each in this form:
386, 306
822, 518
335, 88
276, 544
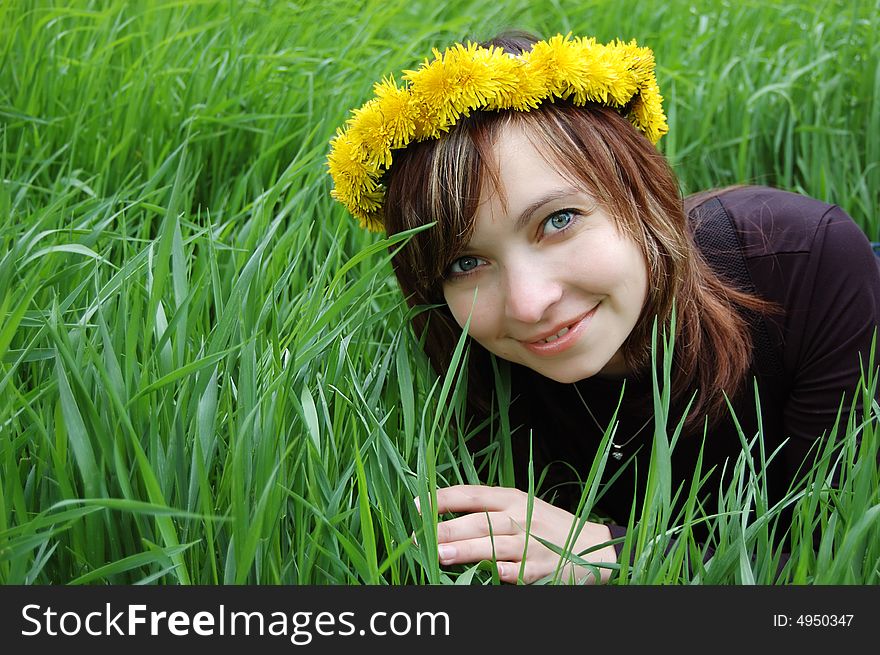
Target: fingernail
446, 552
501, 569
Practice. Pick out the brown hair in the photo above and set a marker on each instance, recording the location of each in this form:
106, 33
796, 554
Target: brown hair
440, 180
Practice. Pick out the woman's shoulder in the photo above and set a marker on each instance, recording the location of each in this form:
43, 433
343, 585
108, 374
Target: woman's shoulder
772, 221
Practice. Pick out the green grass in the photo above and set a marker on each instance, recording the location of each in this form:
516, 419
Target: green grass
206, 370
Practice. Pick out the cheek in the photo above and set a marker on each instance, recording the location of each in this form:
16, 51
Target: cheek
462, 306
639, 276
459, 304
599, 272
621, 268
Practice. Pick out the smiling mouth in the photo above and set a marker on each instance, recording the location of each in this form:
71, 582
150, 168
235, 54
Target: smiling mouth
554, 337
562, 340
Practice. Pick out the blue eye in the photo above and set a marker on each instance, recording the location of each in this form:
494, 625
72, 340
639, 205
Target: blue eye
463, 265
559, 221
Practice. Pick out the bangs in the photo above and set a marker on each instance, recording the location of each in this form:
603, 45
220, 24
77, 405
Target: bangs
441, 180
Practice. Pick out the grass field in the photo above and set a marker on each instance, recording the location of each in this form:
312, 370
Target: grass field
206, 370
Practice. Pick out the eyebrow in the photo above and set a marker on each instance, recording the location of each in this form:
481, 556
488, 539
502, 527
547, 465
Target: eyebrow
550, 196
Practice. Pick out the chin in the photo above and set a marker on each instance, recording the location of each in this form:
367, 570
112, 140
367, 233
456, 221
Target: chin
569, 376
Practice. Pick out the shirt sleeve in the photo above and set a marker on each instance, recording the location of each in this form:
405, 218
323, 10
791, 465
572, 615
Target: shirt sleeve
831, 331
830, 324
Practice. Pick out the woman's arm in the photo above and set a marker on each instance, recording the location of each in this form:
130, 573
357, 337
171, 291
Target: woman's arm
830, 332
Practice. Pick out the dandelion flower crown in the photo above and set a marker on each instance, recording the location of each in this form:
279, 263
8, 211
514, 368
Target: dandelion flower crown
466, 78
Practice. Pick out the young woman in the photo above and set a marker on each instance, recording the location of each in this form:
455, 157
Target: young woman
560, 238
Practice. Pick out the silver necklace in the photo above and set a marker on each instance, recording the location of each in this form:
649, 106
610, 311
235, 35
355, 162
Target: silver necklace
616, 447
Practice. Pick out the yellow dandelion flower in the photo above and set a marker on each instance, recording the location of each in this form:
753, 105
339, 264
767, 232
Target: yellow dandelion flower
623, 82
557, 61
345, 159
375, 135
521, 88
433, 87
343, 191
578, 82
371, 221
368, 209
353, 177
395, 105
640, 61
349, 191
606, 81
371, 201
480, 75
429, 120
647, 113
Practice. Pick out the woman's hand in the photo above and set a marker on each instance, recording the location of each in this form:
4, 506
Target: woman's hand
466, 538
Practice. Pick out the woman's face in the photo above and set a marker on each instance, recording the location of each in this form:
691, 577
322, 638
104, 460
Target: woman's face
558, 288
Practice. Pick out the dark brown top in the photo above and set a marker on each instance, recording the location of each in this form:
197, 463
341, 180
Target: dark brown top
817, 265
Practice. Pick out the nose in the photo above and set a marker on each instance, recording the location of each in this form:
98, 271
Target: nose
530, 291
